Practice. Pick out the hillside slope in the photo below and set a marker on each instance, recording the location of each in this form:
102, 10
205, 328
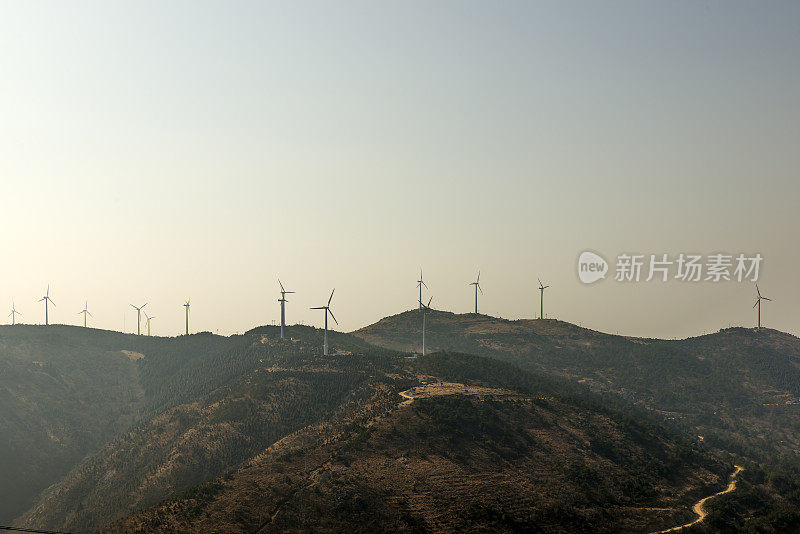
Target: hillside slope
66, 391
739, 388
201, 405
58, 402
448, 456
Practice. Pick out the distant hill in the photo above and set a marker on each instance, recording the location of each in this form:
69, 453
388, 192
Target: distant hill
738, 388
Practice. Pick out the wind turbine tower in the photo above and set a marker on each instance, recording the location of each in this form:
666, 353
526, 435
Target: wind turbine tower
283, 302
46, 298
13, 314
138, 318
425, 308
85, 311
421, 283
148, 318
477, 284
327, 309
758, 303
541, 298
187, 315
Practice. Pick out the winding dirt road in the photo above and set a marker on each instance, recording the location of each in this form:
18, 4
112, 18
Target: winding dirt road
700, 507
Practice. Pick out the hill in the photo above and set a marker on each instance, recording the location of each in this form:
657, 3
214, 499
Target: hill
250, 432
738, 388
66, 391
501, 450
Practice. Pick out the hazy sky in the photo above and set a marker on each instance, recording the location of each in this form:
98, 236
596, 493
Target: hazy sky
152, 151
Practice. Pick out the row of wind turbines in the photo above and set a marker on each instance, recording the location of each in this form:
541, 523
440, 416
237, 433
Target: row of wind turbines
477, 285
423, 308
148, 318
85, 311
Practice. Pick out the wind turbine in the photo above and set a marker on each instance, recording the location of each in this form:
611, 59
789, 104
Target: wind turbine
327, 309
541, 298
85, 311
421, 283
138, 318
758, 303
13, 314
148, 318
283, 302
425, 308
187, 315
477, 284
47, 300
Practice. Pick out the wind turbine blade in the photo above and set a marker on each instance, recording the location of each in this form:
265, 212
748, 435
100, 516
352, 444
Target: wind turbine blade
143, 305
287, 292
481, 289
424, 284
317, 308
540, 281
545, 287
765, 298
330, 299
479, 277
757, 291
90, 313
756, 304
51, 301
41, 299
334, 318
280, 283
429, 302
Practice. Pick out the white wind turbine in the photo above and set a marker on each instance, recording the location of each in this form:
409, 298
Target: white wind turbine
327, 309
758, 303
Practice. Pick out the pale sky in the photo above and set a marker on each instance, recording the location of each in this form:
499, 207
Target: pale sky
154, 151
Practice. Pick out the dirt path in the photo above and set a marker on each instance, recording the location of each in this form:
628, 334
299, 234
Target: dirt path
451, 388
700, 507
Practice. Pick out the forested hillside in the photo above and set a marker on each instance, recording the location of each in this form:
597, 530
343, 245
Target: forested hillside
501, 450
596, 433
738, 388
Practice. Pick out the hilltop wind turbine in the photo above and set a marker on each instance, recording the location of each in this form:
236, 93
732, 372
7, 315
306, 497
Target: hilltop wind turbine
13, 314
477, 284
327, 309
758, 303
138, 318
421, 283
187, 315
85, 311
46, 298
425, 308
541, 298
283, 302
148, 318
